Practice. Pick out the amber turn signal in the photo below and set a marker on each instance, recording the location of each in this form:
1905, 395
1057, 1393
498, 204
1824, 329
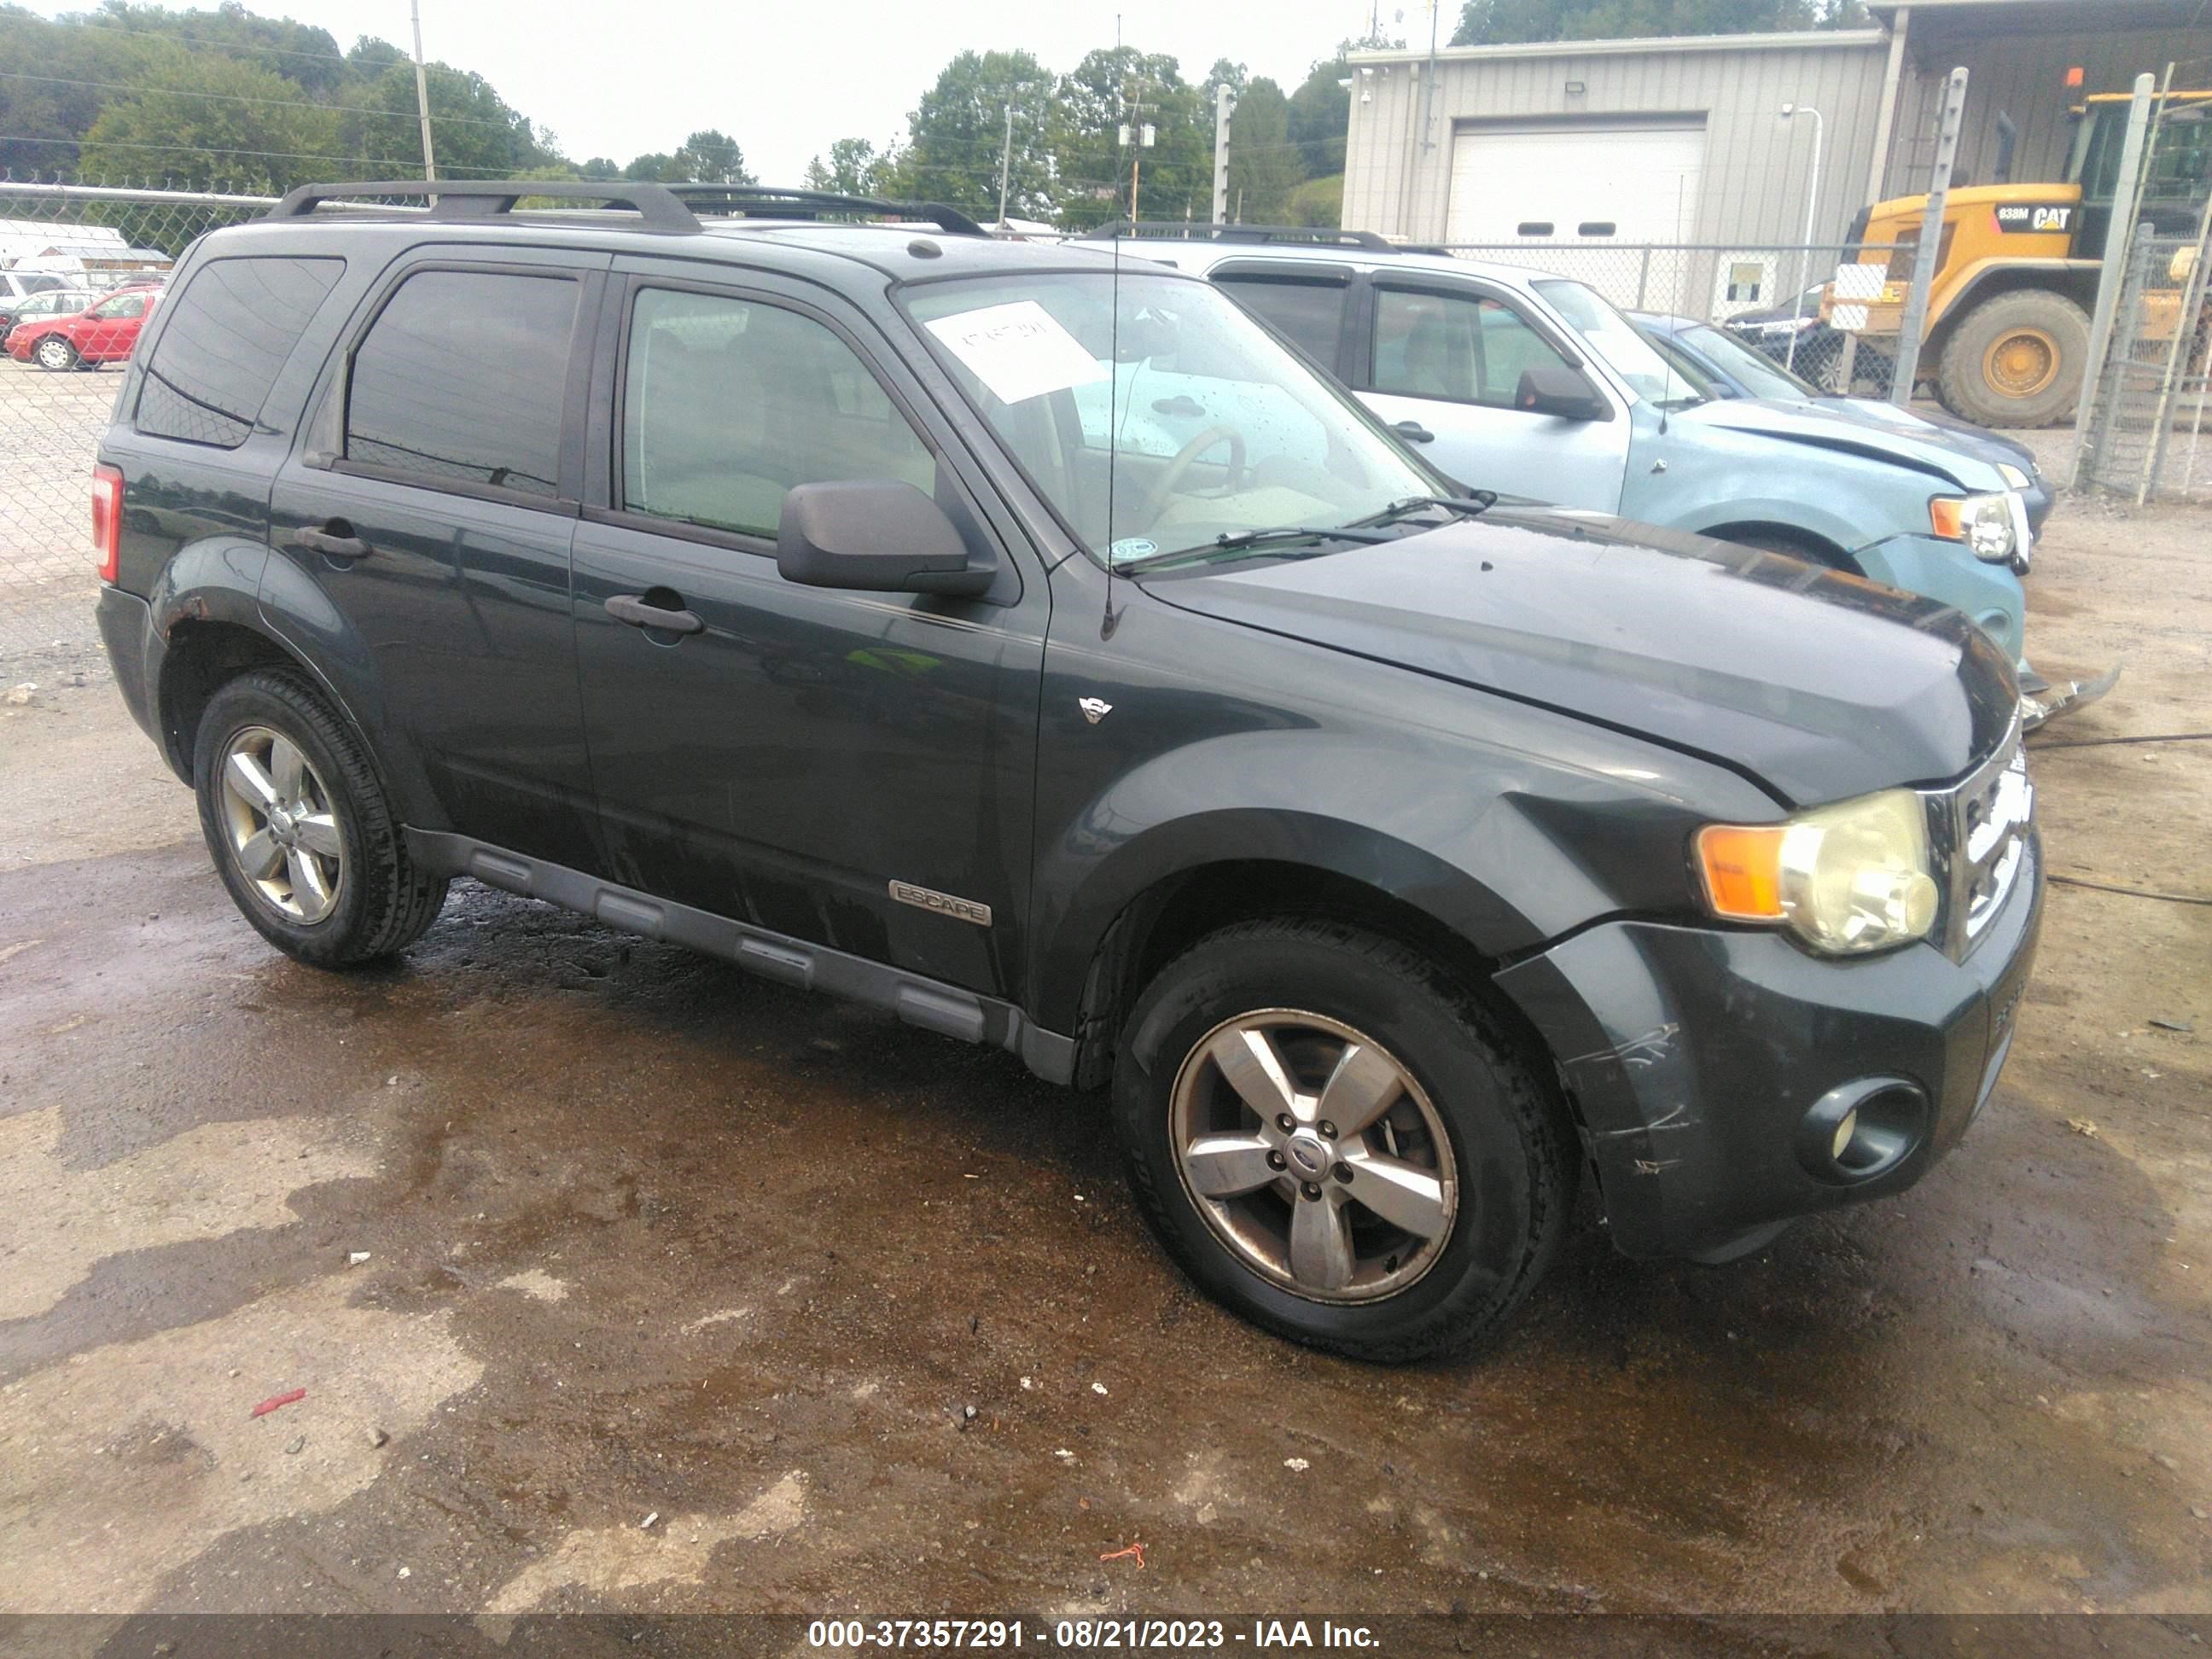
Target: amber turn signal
1743, 869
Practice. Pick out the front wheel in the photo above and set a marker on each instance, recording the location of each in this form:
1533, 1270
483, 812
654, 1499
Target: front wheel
1337, 1141
2016, 359
54, 353
296, 819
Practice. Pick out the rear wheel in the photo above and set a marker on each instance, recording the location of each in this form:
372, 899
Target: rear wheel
300, 831
1335, 1140
2015, 360
55, 353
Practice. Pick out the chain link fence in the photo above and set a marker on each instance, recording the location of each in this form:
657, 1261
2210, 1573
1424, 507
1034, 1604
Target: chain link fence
70, 253
1768, 297
2145, 439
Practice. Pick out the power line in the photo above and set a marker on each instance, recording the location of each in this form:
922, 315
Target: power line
233, 98
220, 150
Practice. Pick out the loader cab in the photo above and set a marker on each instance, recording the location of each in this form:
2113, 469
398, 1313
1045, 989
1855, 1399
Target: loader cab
2176, 181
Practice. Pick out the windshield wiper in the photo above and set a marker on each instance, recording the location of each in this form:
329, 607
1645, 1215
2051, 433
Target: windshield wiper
1473, 504
1239, 540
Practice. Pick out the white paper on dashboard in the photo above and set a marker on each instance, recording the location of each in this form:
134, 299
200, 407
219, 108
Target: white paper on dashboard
1019, 350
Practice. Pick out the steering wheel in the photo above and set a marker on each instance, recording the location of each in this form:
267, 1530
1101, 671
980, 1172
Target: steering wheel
1156, 502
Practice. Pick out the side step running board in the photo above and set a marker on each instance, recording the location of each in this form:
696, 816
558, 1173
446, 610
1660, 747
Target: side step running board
949, 1010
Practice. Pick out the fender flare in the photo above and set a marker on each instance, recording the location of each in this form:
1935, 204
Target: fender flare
1068, 938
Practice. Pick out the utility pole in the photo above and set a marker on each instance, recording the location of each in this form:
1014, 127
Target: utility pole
422, 91
1225, 105
1005, 161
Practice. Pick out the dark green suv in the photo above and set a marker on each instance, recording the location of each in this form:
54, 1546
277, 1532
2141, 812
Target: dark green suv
787, 588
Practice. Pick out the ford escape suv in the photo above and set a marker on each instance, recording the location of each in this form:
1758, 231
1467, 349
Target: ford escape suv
782, 587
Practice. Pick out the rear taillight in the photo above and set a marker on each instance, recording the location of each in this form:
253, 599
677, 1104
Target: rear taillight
106, 519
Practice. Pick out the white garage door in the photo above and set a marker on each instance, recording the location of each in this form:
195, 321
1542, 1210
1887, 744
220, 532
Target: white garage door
1618, 182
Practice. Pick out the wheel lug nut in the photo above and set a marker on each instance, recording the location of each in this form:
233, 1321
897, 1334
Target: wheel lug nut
1284, 1121
1312, 1189
1342, 1172
1276, 1161
1327, 1130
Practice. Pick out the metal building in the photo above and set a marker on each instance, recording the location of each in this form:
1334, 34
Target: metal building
1681, 139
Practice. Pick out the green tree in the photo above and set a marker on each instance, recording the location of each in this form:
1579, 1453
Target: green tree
473, 132
601, 167
711, 157
368, 58
304, 55
1319, 114
957, 133
1264, 165
1095, 174
853, 169
1318, 202
200, 121
46, 119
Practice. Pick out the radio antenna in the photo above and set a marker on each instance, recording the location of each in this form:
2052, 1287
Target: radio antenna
1112, 619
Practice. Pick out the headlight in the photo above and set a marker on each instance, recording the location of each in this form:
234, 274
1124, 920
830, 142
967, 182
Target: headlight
2012, 474
1984, 523
1847, 879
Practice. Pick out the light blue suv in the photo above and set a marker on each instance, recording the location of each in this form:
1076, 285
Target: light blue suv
1535, 385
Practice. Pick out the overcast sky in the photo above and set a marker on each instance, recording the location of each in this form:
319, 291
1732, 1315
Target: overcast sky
784, 77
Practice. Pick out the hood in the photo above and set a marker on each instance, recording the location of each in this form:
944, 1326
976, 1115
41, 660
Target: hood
1817, 685
1932, 452
1933, 422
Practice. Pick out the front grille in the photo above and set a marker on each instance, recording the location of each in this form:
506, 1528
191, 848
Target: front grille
1979, 833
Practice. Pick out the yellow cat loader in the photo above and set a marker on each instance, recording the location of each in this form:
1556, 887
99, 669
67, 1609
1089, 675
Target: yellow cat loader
2017, 269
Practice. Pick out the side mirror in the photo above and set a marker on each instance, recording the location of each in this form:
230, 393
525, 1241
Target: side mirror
878, 534
1555, 389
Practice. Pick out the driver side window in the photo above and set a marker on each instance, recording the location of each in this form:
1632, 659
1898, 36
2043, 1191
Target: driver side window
1461, 348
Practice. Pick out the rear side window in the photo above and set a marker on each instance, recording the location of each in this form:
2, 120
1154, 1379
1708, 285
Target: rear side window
463, 379
233, 328
1310, 314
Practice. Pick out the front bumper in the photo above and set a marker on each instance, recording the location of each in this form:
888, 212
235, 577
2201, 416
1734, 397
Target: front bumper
1693, 1055
1990, 593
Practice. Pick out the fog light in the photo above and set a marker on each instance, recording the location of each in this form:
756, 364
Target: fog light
1860, 1130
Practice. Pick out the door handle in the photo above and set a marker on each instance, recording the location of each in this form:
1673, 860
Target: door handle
1414, 433
334, 541
632, 609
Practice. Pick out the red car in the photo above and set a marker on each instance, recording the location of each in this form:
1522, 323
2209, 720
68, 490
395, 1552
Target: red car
105, 333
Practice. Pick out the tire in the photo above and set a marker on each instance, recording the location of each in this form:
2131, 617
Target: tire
54, 353
331, 882
1406, 1296
2015, 360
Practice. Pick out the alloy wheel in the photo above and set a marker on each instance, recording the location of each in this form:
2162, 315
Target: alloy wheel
54, 352
1313, 1154
283, 832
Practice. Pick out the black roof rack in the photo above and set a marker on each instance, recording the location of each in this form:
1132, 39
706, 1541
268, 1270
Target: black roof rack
777, 202
483, 199
660, 207
1211, 233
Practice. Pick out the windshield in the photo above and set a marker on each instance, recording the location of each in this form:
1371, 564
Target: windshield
1611, 335
1164, 423
1759, 375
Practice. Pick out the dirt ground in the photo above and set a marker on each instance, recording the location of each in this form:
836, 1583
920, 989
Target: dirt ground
560, 1231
